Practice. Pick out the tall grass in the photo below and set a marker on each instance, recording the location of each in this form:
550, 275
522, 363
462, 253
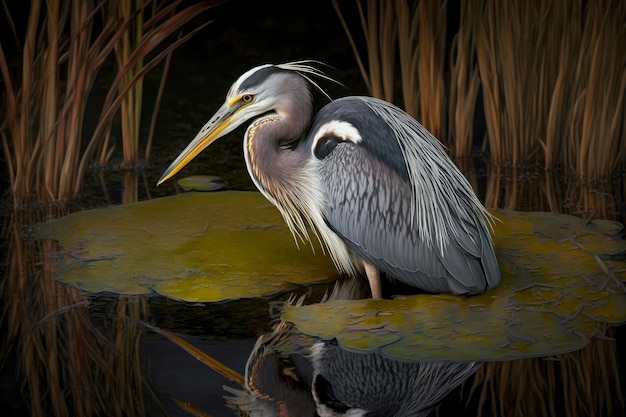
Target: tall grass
510, 39
69, 365
417, 31
552, 80
553, 83
431, 59
464, 84
602, 148
132, 102
378, 25
46, 100
553, 76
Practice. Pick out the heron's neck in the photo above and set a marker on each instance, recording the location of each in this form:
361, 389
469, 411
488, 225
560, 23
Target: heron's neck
288, 177
273, 166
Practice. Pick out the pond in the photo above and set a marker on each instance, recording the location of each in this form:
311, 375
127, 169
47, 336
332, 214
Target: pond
121, 361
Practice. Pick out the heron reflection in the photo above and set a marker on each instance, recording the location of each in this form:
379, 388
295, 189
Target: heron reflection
290, 374
373, 184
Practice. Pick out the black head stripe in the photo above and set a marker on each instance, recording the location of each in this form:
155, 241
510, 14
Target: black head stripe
259, 76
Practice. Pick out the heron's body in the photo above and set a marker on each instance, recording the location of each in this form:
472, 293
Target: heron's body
375, 186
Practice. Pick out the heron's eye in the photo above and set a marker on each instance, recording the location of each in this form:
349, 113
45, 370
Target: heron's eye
246, 98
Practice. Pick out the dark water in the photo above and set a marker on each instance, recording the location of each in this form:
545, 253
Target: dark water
244, 34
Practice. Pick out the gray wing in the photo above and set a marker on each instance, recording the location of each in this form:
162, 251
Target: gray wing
370, 203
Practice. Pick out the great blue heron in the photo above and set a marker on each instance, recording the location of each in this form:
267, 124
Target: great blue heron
373, 184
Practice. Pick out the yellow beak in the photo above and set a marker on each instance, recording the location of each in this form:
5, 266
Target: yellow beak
219, 125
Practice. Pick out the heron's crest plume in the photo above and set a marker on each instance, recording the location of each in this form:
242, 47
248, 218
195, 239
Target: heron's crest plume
307, 70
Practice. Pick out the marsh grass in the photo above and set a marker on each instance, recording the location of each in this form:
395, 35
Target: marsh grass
552, 80
70, 365
601, 148
46, 99
464, 84
379, 34
407, 40
551, 77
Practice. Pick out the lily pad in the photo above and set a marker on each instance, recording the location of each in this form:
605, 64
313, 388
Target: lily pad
202, 183
196, 247
562, 284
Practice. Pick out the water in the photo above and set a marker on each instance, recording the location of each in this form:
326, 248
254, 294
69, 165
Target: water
237, 40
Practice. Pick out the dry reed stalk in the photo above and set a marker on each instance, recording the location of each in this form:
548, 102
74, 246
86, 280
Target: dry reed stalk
566, 41
378, 25
355, 49
387, 38
408, 30
157, 102
512, 62
464, 84
489, 77
130, 111
130, 187
602, 148
430, 65
43, 124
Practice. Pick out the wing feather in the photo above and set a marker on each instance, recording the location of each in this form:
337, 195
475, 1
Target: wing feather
422, 225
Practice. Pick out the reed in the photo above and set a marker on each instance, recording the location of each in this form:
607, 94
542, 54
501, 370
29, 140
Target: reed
378, 24
509, 48
130, 114
464, 83
566, 39
602, 149
431, 50
408, 55
417, 31
67, 364
45, 104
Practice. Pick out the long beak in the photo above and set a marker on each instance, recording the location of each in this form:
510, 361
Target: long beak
223, 122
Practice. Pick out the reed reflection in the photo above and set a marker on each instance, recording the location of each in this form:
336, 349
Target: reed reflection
69, 362
581, 383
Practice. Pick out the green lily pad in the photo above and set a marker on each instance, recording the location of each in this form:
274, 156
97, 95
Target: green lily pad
562, 284
196, 247
563, 278
201, 183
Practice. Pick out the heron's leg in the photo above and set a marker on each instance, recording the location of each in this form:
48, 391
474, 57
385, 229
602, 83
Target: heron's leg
373, 276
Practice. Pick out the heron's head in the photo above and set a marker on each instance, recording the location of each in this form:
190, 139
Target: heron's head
264, 90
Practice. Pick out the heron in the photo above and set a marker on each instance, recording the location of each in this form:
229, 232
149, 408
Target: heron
375, 187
